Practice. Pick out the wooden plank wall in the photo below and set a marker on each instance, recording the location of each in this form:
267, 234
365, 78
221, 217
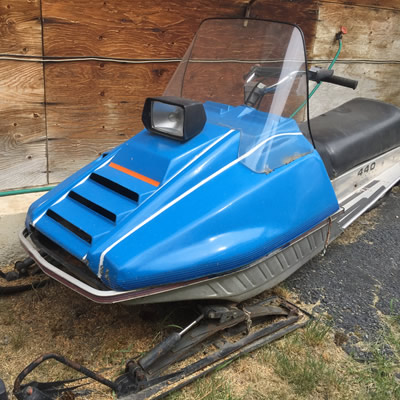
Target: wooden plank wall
66, 113
23, 159
110, 97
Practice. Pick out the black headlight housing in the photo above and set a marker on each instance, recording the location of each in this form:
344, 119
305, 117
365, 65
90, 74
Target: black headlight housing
174, 117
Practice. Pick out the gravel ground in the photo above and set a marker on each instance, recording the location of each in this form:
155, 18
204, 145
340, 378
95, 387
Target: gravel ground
358, 279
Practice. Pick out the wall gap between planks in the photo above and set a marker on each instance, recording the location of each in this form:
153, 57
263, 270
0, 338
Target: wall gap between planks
44, 96
370, 6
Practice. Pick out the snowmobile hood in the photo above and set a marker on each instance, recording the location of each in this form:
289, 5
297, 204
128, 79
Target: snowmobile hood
141, 214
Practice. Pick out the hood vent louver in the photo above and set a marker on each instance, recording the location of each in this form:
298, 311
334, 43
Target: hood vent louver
93, 206
66, 224
116, 187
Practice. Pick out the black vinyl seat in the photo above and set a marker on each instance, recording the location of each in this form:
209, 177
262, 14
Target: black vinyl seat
354, 132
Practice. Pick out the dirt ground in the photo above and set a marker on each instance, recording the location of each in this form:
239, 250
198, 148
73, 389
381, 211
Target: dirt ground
102, 337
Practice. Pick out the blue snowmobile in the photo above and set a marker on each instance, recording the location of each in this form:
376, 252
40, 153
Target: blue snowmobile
229, 189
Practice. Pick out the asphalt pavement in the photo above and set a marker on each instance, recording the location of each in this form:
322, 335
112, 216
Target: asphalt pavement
358, 279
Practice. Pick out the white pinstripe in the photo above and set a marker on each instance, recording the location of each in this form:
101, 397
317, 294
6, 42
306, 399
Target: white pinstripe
188, 192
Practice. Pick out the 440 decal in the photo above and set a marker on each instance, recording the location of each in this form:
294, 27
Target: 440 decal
366, 169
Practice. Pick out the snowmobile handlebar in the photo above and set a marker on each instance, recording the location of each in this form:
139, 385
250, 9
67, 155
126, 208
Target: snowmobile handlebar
327, 75
254, 92
341, 81
315, 74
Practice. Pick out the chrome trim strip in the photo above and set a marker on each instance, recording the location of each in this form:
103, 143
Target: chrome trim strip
98, 296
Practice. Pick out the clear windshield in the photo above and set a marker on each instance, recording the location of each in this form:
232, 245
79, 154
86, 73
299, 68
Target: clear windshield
256, 66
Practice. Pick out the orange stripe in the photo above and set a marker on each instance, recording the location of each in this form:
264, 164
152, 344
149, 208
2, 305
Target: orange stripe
134, 174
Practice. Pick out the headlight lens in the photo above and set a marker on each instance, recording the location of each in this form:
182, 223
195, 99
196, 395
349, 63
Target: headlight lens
167, 118
175, 117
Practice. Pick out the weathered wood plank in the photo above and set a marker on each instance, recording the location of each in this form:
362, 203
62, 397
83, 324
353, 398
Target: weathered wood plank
95, 106
158, 29
22, 125
258, 40
301, 12
372, 33
388, 4
22, 118
140, 29
20, 27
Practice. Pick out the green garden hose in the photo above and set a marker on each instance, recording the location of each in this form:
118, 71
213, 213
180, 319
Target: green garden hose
319, 84
25, 191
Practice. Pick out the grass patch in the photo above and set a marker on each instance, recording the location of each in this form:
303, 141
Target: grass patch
7, 316
300, 361
395, 311
17, 340
298, 366
315, 333
378, 378
306, 374
213, 387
